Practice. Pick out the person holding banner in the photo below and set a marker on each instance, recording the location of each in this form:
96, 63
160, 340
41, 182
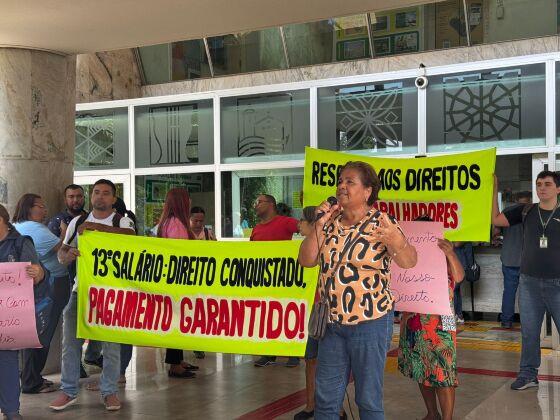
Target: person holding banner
175, 224
354, 244
103, 219
28, 219
427, 346
14, 248
272, 227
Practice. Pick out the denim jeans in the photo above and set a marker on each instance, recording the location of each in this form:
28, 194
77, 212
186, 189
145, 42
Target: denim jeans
72, 355
9, 381
362, 350
535, 297
34, 360
511, 281
126, 355
93, 350
458, 300
464, 254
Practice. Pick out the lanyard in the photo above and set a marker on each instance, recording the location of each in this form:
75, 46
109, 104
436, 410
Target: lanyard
544, 225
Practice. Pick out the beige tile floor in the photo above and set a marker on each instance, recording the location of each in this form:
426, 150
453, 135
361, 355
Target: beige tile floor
228, 386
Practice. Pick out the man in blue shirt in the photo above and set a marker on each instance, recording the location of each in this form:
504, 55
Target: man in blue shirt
74, 201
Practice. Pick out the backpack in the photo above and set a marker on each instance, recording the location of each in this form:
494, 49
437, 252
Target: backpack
72, 270
41, 292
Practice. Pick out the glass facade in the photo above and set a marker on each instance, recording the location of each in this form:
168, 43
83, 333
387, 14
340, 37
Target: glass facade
263, 134
502, 107
421, 27
152, 189
369, 119
101, 139
327, 41
240, 189
260, 127
247, 52
174, 134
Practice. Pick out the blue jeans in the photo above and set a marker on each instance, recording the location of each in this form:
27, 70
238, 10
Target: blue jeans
93, 350
464, 254
362, 350
72, 356
535, 297
511, 281
126, 355
458, 300
9, 381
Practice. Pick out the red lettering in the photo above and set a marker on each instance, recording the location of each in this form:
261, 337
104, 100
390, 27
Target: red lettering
167, 314
391, 209
199, 317
454, 217
117, 312
108, 314
252, 305
139, 311
439, 212
262, 319
272, 331
237, 317
92, 302
100, 304
291, 332
414, 211
212, 323
186, 321
406, 211
223, 322
149, 313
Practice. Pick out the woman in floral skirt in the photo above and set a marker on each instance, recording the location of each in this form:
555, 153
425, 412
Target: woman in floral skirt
427, 348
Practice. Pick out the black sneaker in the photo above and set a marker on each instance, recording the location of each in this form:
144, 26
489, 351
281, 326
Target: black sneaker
302, 415
97, 362
265, 361
292, 362
507, 324
524, 383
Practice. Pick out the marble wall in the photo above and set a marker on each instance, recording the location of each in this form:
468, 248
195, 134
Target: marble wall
107, 76
352, 68
37, 104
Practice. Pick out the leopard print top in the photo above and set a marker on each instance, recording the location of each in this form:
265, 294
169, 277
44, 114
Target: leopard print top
357, 289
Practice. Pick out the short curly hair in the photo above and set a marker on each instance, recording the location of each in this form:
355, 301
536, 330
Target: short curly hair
368, 176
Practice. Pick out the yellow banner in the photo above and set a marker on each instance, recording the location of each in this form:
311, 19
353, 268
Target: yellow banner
232, 297
453, 189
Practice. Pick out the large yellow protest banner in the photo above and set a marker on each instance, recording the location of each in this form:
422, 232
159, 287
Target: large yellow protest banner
454, 189
233, 297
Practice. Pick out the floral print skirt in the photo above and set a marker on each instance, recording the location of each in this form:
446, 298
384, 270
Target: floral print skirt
427, 353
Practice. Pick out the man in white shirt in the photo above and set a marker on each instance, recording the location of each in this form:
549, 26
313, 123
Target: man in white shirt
103, 219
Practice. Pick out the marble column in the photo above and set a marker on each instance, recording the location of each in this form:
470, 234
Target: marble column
37, 108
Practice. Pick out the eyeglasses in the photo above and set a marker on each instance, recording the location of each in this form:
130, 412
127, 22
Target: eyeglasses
261, 201
41, 206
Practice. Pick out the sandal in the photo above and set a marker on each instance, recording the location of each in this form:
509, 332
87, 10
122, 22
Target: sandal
43, 389
186, 374
188, 366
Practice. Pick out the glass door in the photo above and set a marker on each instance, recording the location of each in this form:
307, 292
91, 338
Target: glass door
122, 182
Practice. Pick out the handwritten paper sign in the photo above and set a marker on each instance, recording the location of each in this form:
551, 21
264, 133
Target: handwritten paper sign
18, 329
424, 288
